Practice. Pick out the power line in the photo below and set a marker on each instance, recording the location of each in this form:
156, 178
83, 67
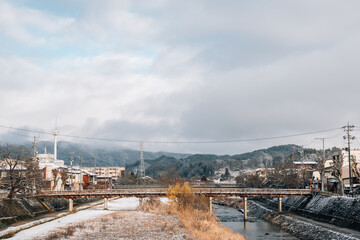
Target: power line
174, 142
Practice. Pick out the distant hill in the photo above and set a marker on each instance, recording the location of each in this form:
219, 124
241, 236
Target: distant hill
209, 164
105, 157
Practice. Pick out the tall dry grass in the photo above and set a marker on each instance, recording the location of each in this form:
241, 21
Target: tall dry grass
193, 213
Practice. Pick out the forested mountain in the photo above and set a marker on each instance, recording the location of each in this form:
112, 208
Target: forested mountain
209, 164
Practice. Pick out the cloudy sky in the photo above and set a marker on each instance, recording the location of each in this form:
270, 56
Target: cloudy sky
181, 70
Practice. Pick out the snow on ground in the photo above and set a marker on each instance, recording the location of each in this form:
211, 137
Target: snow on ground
91, 213
123, 225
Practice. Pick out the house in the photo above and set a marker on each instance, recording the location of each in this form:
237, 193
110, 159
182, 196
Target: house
89, 179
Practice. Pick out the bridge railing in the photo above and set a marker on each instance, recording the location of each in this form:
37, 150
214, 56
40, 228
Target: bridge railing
162, 191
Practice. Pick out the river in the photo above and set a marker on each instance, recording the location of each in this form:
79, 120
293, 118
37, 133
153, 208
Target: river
254, 228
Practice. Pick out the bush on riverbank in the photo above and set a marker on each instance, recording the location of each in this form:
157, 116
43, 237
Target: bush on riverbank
193, 214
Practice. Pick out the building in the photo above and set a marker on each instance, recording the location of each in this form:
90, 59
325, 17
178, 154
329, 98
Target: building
52, 170
355, 157
89, 179
310, 165
46, 158
114, 172
330, 182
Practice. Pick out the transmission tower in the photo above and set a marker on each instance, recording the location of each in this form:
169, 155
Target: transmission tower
141, 172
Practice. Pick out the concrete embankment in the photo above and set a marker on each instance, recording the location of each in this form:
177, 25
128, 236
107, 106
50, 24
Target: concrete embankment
13, 210
317, 217
339, 211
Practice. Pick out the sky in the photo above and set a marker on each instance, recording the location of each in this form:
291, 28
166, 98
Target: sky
181, 71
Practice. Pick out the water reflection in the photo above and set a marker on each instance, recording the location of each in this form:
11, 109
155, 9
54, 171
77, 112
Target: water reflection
254, 228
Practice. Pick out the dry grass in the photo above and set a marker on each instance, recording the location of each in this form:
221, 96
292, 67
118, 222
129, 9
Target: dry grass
193, 214
123, 225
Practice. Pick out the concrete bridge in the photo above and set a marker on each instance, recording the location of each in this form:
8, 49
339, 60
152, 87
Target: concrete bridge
161, 192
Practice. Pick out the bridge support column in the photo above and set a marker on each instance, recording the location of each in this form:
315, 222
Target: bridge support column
280, 205
71, 205
210, 204
141, 203
245, 209
105, 204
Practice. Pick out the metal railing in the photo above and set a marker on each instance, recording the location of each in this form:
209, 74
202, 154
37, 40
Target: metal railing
201, 191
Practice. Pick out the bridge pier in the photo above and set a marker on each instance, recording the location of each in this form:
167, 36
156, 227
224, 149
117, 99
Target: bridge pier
106, 204
210, 205
245, 209
71, 205
141, 203
280, 205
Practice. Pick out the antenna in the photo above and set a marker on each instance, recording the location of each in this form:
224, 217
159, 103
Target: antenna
142, 164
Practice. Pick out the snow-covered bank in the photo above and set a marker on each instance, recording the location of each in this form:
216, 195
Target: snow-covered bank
338, 210
123, 225
42, 228
298, 226
301, 227
13, 210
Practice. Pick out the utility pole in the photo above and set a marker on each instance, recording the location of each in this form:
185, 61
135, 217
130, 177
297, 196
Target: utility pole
71, 171
322, 177
80, 161
303, 166
34, 147
348, 128
142, 164
94, 164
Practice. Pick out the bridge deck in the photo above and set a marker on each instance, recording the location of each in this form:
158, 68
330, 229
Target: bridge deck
161, 192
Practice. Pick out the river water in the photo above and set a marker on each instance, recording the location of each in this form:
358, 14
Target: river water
254, 228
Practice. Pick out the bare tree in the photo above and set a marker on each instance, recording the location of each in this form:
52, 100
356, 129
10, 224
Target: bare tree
284, 176
56, 177
14, 165
321, 169
34, 179
21, 172
241, 179
337, 170
64, 176
354, 168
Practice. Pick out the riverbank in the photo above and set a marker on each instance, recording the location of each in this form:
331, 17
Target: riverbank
298, 226
120, 221
15, 210
341, 211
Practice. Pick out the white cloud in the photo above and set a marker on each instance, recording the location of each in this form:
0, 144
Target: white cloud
29, 26
184, 71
